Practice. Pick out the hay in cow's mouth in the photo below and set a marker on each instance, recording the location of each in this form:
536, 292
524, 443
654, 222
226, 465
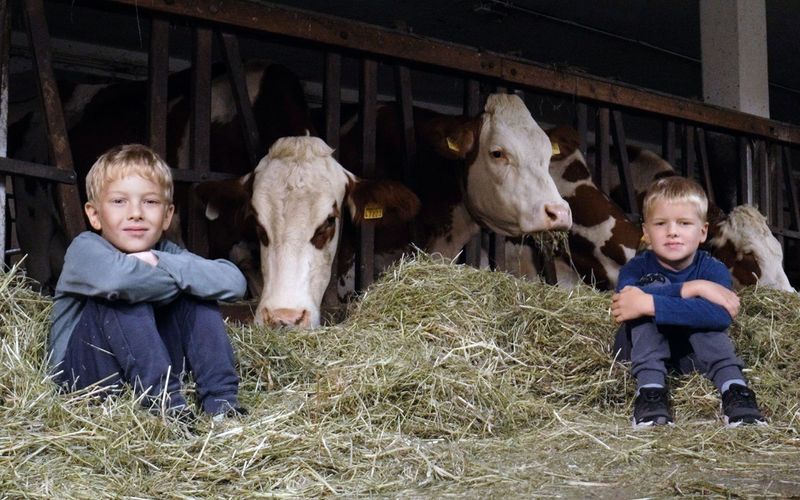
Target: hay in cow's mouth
445, 380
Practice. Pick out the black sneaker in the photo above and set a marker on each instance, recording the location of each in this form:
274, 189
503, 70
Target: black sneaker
651, 407
740, 407
228, 413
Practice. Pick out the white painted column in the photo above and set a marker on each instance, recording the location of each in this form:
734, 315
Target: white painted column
733, 42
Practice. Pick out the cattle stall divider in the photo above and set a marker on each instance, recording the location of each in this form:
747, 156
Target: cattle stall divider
761, 142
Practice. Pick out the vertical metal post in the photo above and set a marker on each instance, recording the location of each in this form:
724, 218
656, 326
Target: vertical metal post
157, 83
746, 191
5, 40
200, 132
791, 188
402, 86
582, 125
668, 142
368, 101
625, 177
764, 192
602, 150
702, 159
332, 100
472, 107
687, 160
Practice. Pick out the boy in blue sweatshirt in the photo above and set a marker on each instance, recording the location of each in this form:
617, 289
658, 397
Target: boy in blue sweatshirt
131, 308
676, 304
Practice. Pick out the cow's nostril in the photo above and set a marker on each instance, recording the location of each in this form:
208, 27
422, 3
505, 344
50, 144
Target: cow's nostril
288, 317
559, 217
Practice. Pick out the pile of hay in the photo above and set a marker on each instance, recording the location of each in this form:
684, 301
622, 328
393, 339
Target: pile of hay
444, 380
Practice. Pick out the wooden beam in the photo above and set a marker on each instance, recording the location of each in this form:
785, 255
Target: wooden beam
37, 171
68, 198
472, 107
244, 109
5, 44
378, 41
368, 104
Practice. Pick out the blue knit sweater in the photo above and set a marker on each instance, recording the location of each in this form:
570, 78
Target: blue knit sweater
644, 271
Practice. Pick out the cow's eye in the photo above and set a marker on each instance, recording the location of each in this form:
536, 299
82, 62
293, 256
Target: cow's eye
324, 232
497, 153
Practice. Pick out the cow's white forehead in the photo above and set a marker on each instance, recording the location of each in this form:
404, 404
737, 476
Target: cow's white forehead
298, 178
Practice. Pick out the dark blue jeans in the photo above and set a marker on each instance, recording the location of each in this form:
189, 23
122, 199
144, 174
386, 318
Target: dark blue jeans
652, 350
151, 348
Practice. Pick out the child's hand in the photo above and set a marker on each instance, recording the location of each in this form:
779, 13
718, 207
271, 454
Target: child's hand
631, 303
147, 256
712, 292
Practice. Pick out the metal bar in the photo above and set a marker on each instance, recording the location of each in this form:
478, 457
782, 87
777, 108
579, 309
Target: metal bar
668, 142
36, 171
791, 188
157, 84
244, 108
402, 85
200, 133
687, 156
5, 43
472, 107
778, 167
368, 102
602, 150
764, 193
746, 189
582, 125
786, 233
68, 197
192, 176
624, 167
338, 32
332, 99
702, 160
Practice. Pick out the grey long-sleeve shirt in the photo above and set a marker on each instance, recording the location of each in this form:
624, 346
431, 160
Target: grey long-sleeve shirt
93, 267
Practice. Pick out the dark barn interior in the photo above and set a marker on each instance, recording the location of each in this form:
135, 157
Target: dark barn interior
622, 72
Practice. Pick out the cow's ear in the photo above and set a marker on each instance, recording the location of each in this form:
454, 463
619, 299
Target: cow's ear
229, 193
384, 202
565, 141
453, 137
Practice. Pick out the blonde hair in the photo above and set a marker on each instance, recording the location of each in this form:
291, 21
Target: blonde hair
124, 161
676, 189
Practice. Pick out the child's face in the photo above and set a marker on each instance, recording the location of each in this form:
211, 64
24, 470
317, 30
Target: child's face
131, 213
674, 231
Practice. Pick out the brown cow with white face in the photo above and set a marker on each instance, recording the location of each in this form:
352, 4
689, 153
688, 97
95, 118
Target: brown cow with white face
602, 239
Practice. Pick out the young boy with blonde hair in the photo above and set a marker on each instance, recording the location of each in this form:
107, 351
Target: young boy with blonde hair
676, 304
132, 308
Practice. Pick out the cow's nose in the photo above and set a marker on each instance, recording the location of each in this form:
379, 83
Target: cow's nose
289, 317
558, 216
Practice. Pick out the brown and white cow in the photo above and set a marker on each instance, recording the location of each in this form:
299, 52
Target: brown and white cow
603, 239
489, 171
101, 116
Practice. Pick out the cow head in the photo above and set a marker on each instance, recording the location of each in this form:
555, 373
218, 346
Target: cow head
294, 204
508, 187
744, 243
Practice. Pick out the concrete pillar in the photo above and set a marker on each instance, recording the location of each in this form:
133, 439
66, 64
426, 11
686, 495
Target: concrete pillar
733, 42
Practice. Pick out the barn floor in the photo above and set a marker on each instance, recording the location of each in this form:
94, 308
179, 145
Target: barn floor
444, 381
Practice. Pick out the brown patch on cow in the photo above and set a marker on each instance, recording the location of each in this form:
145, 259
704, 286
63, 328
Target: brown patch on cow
576, 171
744, 268
591, 207
567, 139
624, 234
587, 265
325, 232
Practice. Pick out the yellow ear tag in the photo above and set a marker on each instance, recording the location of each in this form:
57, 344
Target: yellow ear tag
451, 144
556, 149
372, 211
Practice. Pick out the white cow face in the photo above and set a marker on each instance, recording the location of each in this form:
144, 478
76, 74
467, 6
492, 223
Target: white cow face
298, 191
299, 195
509, 188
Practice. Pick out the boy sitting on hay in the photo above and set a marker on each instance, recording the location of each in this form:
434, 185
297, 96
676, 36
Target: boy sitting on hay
676, 304
132, 308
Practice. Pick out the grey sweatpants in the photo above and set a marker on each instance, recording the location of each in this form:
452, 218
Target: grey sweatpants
651, 350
